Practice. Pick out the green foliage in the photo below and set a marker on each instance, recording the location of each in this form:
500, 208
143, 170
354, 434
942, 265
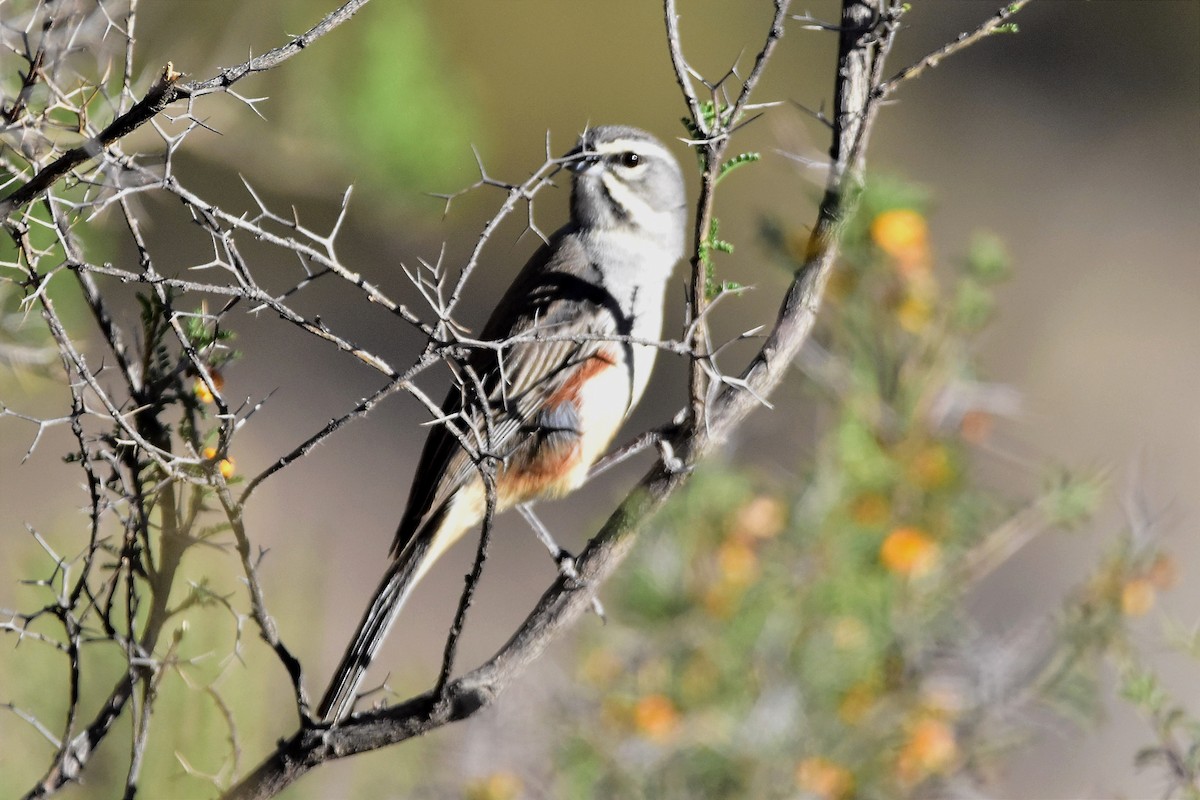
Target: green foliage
713, 243
987, 259
710, 112
391, 103
740, 160
1069, 500
772, 639
1176, 752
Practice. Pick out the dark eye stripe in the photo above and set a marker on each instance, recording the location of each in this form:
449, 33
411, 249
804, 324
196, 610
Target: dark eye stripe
621, 211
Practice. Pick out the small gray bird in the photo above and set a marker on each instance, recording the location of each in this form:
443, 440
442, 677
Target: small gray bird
554, 403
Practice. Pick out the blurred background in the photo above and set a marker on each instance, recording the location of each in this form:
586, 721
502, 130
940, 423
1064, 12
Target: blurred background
1076, 142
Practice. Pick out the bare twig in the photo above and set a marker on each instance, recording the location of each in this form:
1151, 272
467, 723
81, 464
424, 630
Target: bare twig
258, 603
487, 472
161, 94
166, 90
965, 39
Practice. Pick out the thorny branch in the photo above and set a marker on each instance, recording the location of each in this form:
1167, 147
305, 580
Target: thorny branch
714, 124
141, 430
860, 57
166, 90
991, 25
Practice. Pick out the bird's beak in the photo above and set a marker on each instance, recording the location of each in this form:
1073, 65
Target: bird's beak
579, 161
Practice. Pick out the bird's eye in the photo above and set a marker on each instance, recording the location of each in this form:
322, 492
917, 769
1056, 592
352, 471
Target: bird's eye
630, 159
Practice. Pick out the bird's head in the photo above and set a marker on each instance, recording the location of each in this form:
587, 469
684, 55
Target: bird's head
625, 179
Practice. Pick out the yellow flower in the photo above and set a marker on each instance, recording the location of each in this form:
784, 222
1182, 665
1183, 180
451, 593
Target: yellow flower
761, 518
930, 749
737, 562
200, 388
931, 467
909, 551
899, 231
1137, 597
823, 778
914, 312
655, 717
226, 465
497, 786
903, 234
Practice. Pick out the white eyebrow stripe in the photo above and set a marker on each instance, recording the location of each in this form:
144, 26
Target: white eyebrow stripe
636, 145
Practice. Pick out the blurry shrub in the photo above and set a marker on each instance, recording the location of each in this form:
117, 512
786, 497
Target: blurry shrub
780, 638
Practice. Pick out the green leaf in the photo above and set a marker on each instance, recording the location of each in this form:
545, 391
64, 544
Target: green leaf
865, 462
739, 160
1068, 501
973, 305
987, 258
712, 242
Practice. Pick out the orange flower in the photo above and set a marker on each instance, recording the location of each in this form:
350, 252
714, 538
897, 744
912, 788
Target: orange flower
226, 465
1137, 597
899, 231
200, 388
1163, 572
909, 551
824, 778
655, 717
903, 234
976, 426
929, 750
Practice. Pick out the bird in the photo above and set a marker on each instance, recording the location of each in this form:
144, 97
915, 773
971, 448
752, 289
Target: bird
549, 404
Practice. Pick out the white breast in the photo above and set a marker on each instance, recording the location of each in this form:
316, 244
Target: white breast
635, 269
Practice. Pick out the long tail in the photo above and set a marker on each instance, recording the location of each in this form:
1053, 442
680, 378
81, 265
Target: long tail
397, 584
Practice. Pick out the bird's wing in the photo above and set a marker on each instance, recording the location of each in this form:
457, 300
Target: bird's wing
545, 301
